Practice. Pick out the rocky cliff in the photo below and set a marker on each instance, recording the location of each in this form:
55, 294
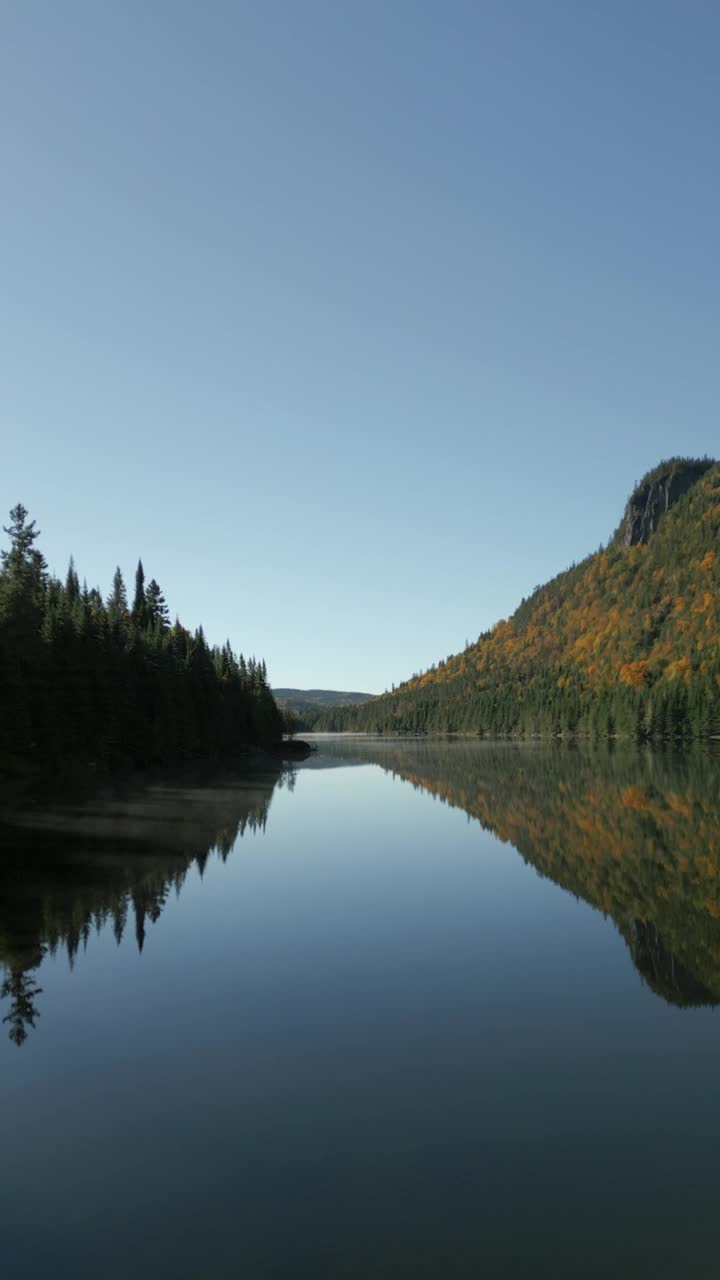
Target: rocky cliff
655, 494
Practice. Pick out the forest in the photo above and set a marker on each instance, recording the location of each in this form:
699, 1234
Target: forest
113, 682
625, 643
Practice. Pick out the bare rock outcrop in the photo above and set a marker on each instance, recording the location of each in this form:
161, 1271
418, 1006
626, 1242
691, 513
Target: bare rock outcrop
655, 495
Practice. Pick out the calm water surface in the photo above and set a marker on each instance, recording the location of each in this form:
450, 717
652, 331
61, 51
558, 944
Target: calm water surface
410, 1010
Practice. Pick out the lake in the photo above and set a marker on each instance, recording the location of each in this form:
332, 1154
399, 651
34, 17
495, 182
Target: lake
406, 1009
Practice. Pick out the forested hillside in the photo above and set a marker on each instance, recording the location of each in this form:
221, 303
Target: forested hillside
84, 678
311, 700
626, 642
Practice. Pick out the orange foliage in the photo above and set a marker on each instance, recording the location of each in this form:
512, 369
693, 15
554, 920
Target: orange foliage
678, 805
634, 673
681, 667
635, 798
638, 616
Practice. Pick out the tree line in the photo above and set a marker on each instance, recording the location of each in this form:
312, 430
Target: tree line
88, 679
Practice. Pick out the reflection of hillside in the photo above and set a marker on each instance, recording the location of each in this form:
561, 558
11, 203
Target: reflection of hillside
659, 967
634, 833
68, 872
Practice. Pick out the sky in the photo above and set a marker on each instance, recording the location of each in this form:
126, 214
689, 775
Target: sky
354, 320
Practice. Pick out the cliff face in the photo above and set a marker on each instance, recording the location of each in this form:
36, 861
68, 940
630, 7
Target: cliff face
654, 496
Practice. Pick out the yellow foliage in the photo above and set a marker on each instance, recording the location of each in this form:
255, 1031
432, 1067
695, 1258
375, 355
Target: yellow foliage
679, 805
635, 798
634, 673
681, 667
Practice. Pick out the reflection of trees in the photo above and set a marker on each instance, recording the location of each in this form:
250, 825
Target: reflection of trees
68, 873
636, 833
661, 970
20, 989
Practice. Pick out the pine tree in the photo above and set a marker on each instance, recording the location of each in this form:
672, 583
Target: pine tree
156, 608
23, 587
139, 603
22, 559
72, 582
117, 599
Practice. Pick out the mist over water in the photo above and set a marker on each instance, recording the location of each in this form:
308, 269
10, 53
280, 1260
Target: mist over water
409, 1009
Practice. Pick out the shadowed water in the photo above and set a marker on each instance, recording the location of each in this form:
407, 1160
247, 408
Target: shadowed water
441, 1009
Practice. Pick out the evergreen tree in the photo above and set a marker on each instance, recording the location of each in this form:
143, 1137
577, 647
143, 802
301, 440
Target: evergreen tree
23, 588
21, 562
156, 608
72, 582
139, 603
117, 599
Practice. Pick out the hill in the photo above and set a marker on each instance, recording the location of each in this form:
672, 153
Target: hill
625, 643
316, 699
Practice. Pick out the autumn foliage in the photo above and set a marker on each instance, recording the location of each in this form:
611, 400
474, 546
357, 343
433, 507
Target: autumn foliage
626, 642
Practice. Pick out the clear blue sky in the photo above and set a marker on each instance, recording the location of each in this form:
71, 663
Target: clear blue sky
355, 320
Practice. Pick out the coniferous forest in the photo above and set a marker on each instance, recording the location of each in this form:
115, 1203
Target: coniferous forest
625, 643
113, 681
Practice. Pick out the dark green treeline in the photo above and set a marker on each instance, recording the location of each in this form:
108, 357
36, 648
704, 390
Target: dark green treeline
84, 678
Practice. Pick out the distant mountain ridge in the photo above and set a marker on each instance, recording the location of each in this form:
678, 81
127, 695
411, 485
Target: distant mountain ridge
625, 643
316, 699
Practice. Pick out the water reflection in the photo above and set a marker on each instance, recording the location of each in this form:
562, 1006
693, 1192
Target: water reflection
636, 833
70, 870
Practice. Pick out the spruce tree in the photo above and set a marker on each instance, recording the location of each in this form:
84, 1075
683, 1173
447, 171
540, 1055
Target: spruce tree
72, 582
20, 560
156, 608
139, 603
23, 587
117, 599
